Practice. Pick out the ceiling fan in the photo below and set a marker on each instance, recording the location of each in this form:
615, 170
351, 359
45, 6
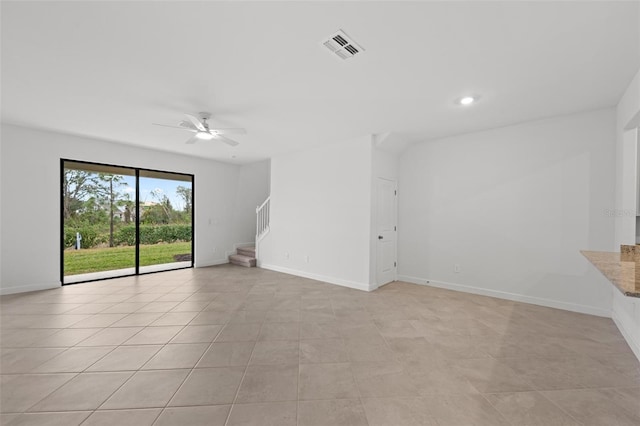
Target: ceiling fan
200, 127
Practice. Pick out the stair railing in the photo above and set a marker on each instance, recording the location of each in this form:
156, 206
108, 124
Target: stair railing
262, 219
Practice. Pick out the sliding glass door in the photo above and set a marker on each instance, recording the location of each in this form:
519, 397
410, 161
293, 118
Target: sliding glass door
118, 221
166, 213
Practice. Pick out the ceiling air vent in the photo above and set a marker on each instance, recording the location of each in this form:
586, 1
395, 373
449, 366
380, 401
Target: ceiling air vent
342, 46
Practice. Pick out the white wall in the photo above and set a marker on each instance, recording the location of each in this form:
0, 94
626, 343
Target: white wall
253, 188
627, 114
626, 310
30, 215
637, 187
513, 206
320, 210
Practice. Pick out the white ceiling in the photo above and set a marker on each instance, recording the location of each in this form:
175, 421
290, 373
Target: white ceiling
110, 69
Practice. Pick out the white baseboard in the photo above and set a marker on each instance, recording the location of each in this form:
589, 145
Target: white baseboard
376, 286
212, 263
628, 335
627, 319
573, 307
31, 287
317, 277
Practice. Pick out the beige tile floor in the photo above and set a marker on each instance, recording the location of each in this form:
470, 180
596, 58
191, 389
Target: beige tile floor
235, 346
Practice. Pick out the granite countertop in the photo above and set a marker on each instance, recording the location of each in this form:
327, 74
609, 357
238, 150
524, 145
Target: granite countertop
622, 269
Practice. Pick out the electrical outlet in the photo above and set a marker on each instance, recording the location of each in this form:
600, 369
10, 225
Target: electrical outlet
306, 259
286, 256
214, 250
456, 268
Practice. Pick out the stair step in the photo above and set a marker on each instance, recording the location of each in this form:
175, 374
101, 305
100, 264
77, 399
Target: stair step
238, 259
247, 251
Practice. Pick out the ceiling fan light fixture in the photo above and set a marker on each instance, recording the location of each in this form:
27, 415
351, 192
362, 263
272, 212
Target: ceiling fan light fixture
205, 136
202, 131
467, 100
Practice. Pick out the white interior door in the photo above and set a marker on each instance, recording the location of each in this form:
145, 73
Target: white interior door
386, 226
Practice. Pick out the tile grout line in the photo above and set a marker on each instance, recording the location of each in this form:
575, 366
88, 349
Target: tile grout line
353, 375
244, 373
191, 371
132, 375
502, 416
559, 407
162, 410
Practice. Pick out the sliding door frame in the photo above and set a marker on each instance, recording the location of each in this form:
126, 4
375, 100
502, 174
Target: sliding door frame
137, 243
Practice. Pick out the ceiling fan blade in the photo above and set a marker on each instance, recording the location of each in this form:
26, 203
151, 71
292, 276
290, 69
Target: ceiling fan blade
184, 124
191, 140
175, 127
235, 131
196, 123
227, 140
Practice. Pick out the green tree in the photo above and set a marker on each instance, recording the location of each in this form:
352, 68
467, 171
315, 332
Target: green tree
91, 212
108, 190
160, 213
77, 187
187, 196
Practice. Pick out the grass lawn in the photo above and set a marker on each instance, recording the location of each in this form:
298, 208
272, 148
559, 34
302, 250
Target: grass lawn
105, 259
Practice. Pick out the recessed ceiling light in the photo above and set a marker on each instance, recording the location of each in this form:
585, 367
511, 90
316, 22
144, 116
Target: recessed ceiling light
467, 100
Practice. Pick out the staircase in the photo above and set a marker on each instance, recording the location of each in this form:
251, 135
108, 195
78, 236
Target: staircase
245, 256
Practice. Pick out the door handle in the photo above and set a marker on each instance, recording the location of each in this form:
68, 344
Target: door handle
380, 237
